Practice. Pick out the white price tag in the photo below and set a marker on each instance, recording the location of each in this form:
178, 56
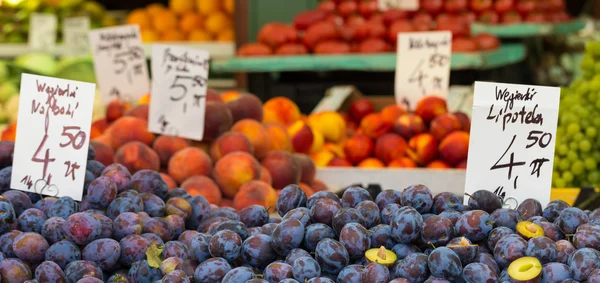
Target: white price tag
422, 66
120, 63
75, 36
178, 99
511, 149
52, 139
407, 5
42, 31
334, 100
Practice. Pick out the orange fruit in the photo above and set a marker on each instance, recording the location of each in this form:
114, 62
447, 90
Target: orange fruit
155, 8
164, 21
207, 7
190, 21
217, 22
228, 6
149, 35
226, 36
199, 35
173, 35
139, 17
182, 6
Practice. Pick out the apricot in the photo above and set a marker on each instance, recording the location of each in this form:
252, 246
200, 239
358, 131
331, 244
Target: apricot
430, 107
322, 157
443, 125
104, 153
203, 186
265, 176
371, 163
128, 129
280, 110
318, 186
307, 167
243, 106
278, 137
189, 162
166, 146
255, 193
137, 156
409, 125
358, 147
115, 110
256, 133
306, 188
139, 111
230, 142
360, 108
283, 167
373, 125
423, 148
465, 121
391, 113
331, 124
98, 128
217, 120
235, 169
402, 162
438, 164
454, 149
170, 182
301, 135
339, 162
390, 146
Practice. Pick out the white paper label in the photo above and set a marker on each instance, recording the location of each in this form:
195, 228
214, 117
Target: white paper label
75, 36
42, 31
52, 139
120, 63
422, 66
408, 5
178, 99
511, 149
334, 100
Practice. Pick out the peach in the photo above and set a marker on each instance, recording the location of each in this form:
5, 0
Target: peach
402, 162
360, 109
230, 142
217, 120
283, 167
318, 186
213, 95
203, 186
455, 148
243, 106
265, 176
166, 146
409, 125
391, 113
423, 148
307, 167
235, 169
339, 162
390, 146
307, 189
430, 107
438, 164
140, 111
189, 162
256, 133
10, 133
226, 202
318, 141
98, 128
104, 138
371, 163
280, 110
322, 157
278, 137
115, 110
373, 125
137, 156
331, 124
358, 147
337, 149
465, 121
104, 153
170, 182
462, 165
128, 129
443, 125
301, 135
255, 193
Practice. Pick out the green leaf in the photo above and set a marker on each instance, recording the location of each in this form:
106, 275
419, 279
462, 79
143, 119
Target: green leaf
154, 255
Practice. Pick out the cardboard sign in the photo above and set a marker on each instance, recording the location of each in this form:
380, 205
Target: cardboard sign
75, 36
178, 102
42, 31
408, 5
511, 149
53, 135
422, 66
334, 98
120, 63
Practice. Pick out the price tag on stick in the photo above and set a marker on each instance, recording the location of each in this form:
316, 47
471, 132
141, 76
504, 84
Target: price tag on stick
511, 149
178, 102
52, 139
120, 63
42, 31
422, 66
408, 5
75, 36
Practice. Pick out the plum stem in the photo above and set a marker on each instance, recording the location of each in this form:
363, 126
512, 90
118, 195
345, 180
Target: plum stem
431, 244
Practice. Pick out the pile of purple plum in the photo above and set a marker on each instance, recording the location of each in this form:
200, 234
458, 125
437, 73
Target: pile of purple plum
131, 228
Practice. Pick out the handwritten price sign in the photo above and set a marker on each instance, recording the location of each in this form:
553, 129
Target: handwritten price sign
408, 5
52, 136
423, 66
179, 101
42, 31
120, 63
511, 150
75, 35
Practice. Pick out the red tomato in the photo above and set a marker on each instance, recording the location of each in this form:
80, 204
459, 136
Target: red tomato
481, 5
332, 47
535, 17
374, 45
432, 6
463, 44
422, 22
320, 32
348, 33
525, 6
455, 6
326, 6
254, 49
305, 19
503, 6
559, 17
455, 24
376, 18
337, 20
399, 26
556, 5
276, 34
391, 16
355, 20
291, 49
347, 8
367, 8
511, 18
486, 41
489, 17
469, 16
